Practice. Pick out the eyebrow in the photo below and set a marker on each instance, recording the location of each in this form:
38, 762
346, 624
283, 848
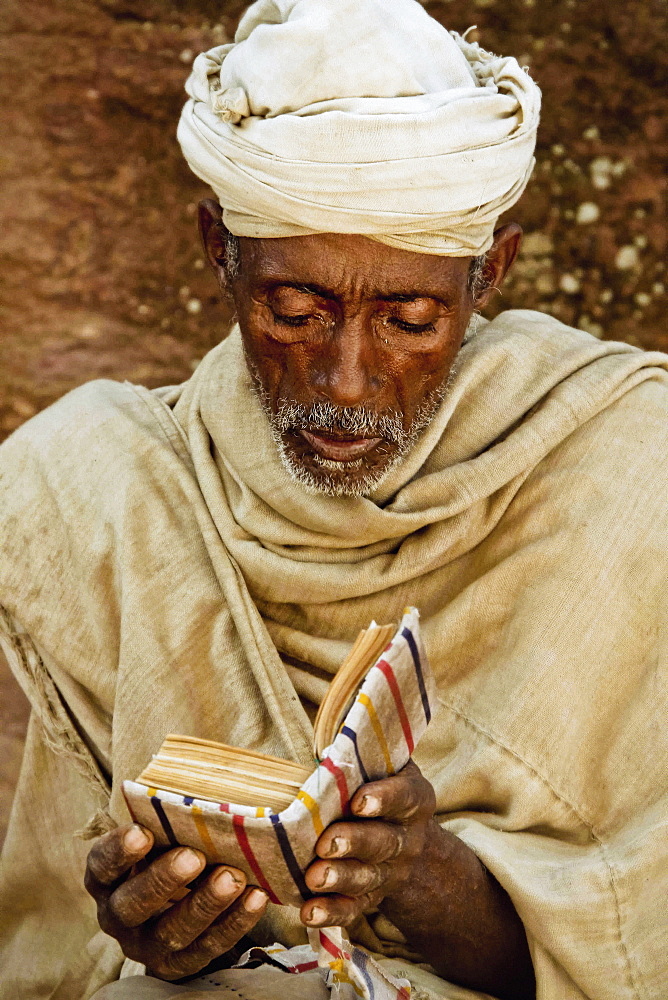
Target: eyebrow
307, 289
406, 296
326, 293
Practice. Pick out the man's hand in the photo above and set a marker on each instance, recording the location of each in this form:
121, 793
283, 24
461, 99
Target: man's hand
380, 854
172, 939
395, 856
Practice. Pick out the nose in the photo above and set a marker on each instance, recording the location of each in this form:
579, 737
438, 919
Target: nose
347, 373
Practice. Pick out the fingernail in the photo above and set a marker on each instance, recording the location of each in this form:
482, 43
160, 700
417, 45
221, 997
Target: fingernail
186, 863
317, 915
135, 839
255, 900
371, 806
329, 879
224, 883
340, 845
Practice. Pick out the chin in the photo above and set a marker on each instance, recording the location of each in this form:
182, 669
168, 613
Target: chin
316, 474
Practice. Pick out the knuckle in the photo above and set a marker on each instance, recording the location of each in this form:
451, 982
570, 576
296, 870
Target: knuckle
213, 946
358, 878
158, 881
119, 908
372, 900
169, 967
375, 876
421, 791
225, 933
135, 949
91, 883
129, 906
107, 858
140, 897
361, 906
98, 864
105, 919
234, 925
170, 936
204, 905
396, 843
409, 800
349, 914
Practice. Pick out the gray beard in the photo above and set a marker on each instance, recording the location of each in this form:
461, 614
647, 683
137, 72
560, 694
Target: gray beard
354, 478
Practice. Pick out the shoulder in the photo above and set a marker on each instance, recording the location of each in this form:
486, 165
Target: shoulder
538, 336
93, 476
101, 409
71, 476
92, 437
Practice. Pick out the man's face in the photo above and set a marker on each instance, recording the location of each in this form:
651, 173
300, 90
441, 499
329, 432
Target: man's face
350, 343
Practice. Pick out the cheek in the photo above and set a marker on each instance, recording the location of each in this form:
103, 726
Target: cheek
417, 376
281, 369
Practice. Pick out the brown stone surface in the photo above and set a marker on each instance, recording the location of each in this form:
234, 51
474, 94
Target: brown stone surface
101, 273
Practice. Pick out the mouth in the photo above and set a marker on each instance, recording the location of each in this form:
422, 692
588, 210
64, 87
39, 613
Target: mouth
339, 448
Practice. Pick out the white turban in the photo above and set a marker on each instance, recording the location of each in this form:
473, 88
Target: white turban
360, 116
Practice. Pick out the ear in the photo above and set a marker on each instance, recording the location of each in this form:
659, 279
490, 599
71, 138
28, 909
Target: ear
499, 260
213, 232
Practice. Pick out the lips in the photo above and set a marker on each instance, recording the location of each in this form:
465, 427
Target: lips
339, 449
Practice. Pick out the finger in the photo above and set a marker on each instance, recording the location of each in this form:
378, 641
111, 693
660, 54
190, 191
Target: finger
373, 841
223, 934
114, 854
188, 919
349, 878
401, 798
337, 911
143, 895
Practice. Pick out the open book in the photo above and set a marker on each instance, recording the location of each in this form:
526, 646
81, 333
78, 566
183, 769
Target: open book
264, 814
209, 770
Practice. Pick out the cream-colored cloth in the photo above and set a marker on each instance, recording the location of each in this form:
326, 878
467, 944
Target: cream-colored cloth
266, 983
360, 116
156, 555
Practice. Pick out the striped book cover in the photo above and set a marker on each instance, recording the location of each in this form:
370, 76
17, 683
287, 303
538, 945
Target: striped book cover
380, 730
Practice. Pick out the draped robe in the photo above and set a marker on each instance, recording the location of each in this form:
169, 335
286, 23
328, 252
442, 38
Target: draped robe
158, 564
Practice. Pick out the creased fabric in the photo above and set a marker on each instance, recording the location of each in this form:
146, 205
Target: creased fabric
360, 116
161, 563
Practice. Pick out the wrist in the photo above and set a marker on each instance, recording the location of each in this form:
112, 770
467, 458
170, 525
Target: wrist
455, 914
443, 868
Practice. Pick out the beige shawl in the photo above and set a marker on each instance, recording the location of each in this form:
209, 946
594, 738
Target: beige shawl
155, 556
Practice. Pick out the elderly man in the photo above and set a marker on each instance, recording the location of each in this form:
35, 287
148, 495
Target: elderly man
197, 559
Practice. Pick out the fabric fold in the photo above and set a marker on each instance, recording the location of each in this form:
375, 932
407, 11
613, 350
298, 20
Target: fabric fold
360, 116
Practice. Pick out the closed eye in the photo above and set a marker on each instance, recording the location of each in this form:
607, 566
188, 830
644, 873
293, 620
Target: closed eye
293, 320
410, 327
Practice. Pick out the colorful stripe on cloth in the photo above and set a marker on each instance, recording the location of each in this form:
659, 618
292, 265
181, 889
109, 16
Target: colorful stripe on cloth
341, 783
290, 859
378, 729
389, 675
314, 810
162, 818
412, 645
349, 972
244, 844
352, 736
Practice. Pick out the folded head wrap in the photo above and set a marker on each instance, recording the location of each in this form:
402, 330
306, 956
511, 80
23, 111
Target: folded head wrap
360, 116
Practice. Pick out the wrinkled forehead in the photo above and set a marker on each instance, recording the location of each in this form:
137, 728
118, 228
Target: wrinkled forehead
346, 264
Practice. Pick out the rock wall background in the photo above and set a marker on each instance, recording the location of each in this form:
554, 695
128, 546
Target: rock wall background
101, 273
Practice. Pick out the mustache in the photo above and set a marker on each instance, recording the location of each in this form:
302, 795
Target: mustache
356, 421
